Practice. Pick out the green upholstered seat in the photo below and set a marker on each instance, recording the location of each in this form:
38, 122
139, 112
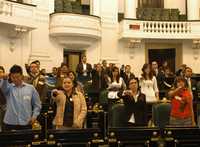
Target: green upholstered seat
161, 114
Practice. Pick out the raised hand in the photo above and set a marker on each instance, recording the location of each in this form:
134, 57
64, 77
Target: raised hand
4, 76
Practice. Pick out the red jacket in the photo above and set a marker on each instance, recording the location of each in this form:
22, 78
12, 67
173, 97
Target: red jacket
182, 105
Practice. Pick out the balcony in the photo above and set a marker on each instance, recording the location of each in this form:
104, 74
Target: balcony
17, 14
130, 28
75, 30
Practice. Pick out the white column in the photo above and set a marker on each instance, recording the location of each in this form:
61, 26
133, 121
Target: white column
130, 8
193, 9
51, 6
95, 7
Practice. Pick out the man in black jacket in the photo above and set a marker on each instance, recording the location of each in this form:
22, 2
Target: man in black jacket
127, 75
98, 78
192, 84
83, 70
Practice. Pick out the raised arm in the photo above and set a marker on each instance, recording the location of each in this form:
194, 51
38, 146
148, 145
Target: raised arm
5, 86
174, 92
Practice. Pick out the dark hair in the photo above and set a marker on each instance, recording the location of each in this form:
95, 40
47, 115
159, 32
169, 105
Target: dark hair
128, 66
118, 76
104, 61
1, 68
33, 63
135, 78
75, 80
144, 75
16, 69
36, 61
55, 68
83, 56
74, 86
187, 67
58, 72
180, 78
63, 64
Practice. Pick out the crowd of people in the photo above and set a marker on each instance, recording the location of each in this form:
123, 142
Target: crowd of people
22, 97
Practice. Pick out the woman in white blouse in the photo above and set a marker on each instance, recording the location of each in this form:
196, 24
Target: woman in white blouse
148, 84
115, 84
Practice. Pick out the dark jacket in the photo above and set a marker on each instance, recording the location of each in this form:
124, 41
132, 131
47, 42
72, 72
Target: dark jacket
39, 82
98, 80
139, 108
79, 70
126, 78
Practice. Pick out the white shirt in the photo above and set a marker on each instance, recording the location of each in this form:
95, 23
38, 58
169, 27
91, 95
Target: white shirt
113, 94
84, 69
149, 88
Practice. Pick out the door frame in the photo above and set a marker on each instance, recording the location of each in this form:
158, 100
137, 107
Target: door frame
176, 46
67, 52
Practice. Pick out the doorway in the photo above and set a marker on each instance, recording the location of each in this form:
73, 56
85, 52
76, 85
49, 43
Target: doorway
161, 55
72, 58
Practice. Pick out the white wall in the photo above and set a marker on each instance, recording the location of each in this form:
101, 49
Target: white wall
4, 48
191, 57
93, 53
43, 47
132, 56
32, 45
20, 47
29, 47
38, 45
107, 47
109, 23
180, 4
185, 54
121, 6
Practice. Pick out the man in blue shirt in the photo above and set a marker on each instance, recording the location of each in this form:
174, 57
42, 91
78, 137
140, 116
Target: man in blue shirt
23, 101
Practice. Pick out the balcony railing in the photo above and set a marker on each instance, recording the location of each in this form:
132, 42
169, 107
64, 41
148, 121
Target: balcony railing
159, 29
166, 27
75, 29
18, 14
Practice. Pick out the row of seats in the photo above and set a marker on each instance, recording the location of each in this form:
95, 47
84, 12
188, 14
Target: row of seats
126, 137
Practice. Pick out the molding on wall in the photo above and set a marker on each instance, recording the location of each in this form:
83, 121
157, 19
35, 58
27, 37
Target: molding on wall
41, 56
109, 21
42, 15
110, 60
